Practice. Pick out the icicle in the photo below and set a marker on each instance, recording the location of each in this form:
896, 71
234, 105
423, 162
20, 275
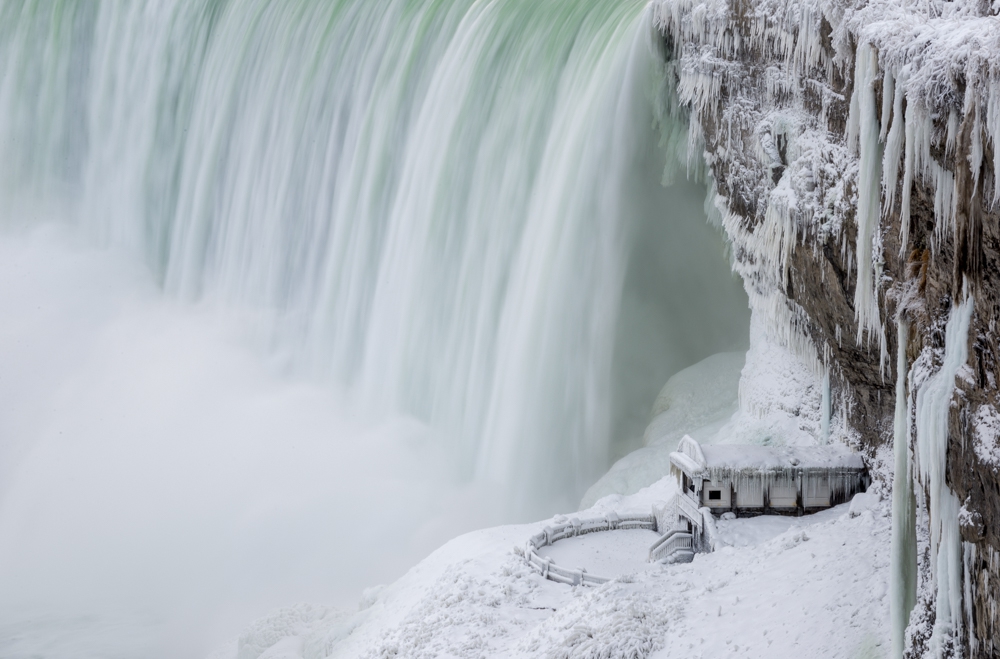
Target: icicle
863, 131
976, 152
888, 94
969, 558
951, 133
993, 127
945, 202
903, 558
933, 403
890, 163
824, 426
909, 165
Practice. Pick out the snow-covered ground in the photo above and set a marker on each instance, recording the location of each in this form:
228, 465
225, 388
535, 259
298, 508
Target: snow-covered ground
788, 587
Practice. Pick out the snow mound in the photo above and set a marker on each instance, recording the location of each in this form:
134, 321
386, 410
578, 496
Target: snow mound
696, 400
616, 620
640, 468
862, 502
766, 397
303, 630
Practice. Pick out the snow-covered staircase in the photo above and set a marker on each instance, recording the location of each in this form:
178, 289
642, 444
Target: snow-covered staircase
687, 529
675, 546
680, 521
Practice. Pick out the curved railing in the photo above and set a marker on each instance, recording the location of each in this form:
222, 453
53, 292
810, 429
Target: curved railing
678, 544
572, 528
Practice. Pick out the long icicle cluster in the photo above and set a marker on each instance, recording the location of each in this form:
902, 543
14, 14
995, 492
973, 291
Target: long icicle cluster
863, 135
903, 556
932, 405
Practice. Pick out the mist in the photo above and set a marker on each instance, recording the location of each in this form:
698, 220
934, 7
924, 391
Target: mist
167, 483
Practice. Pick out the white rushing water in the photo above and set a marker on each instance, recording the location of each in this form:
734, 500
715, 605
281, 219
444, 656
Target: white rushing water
447, 215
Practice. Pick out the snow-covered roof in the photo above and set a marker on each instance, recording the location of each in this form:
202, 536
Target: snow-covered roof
693, 459
767, 458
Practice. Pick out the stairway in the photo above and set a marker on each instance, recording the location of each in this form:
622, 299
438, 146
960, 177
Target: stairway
676, 546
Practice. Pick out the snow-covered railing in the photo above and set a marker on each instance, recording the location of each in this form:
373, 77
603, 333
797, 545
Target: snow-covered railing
689, 508
710, 533
674, 545
678, 543
572, 528
705, 535
549, 570
680, 505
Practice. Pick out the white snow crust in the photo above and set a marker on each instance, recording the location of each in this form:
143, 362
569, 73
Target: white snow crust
775, 400
987, 445
813, 586
697, 400
760, 458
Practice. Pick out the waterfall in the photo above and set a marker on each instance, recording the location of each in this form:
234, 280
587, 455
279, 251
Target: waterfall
431, 203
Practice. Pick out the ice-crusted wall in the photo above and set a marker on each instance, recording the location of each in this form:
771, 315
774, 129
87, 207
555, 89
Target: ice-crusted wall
852, 147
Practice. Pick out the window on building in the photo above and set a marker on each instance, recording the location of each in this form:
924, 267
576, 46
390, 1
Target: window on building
715, 495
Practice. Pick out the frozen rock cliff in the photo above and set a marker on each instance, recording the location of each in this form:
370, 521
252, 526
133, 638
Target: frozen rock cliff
853, 150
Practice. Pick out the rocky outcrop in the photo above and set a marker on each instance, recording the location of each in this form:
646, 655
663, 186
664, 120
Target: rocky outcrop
853, 150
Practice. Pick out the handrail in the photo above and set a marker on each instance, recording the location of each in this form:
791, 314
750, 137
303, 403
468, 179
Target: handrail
676, 540
711, 532
689, 508
673, 541
573, 527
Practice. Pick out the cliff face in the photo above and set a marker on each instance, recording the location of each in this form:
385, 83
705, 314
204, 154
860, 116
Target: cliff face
853, 149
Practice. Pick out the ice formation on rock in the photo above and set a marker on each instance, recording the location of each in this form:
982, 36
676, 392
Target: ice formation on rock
853, 149
863, 135
903, 566
932, 403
